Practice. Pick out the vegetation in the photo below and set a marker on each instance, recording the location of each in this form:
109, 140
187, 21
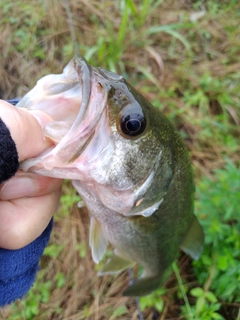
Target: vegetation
184, 56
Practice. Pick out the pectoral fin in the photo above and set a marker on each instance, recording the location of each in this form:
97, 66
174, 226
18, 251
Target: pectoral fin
116, 264
97, 240
194, 240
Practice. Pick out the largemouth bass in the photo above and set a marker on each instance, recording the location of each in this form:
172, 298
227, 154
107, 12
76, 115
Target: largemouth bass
128, 163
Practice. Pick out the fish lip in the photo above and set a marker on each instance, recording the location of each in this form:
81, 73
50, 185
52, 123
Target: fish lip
84, 73
92, 81
108, 75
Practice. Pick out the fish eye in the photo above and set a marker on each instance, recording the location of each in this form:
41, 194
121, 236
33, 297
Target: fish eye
133, 124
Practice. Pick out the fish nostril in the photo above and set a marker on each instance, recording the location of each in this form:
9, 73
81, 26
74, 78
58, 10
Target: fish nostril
119, 93
99, 87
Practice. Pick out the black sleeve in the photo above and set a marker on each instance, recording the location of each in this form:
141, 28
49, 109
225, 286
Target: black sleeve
9, 163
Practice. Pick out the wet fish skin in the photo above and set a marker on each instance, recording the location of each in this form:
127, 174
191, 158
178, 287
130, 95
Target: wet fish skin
137, 185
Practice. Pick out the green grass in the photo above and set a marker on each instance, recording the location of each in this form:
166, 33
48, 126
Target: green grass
217, 270
218, 208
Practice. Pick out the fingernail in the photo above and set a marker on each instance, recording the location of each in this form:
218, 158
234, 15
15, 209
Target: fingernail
17, 188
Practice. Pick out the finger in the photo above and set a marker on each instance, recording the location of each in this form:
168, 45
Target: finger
25, 184
23, 220
26, 129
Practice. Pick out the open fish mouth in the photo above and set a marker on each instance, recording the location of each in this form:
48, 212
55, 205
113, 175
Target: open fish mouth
94, 97
76, 101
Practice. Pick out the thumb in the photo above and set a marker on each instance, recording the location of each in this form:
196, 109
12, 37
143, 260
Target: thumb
25, 129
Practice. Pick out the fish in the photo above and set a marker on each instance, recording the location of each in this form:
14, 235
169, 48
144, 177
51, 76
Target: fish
129, 165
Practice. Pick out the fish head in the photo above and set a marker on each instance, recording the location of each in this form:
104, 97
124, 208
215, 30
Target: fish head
104, 134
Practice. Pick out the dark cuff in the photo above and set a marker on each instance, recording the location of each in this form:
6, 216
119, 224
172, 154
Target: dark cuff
8, 154
18, 268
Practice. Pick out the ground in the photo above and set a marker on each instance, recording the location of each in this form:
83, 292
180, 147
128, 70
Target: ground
183, 56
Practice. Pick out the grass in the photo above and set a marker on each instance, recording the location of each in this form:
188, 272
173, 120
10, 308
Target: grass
188, 67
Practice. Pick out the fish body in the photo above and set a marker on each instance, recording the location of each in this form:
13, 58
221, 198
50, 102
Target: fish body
128, 163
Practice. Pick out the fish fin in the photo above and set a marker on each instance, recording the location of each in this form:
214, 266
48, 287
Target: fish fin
147, 283
194, 240
97, 240
116, 264
143, 286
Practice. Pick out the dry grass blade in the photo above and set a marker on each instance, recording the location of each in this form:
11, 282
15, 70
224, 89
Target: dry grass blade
157, 57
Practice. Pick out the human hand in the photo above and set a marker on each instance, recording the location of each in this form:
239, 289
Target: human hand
27, 200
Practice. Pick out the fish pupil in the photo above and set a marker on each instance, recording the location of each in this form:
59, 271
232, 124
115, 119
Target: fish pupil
133, 124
